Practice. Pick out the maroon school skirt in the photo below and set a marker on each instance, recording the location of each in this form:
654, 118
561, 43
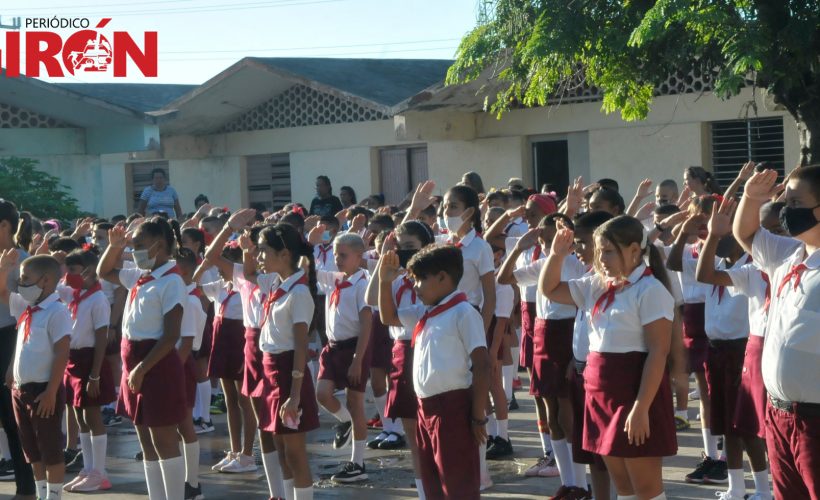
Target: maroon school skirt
204, 351
579, 454
189, 368
750, 412
401, 397
277, 370
612, 381
77, 371
527, 330
723, 372
694, 336
161, 398
228, 349
253, 376
335, 361
381, 345
552, 354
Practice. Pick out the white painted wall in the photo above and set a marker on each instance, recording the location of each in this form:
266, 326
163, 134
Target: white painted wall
495, 160
355, 167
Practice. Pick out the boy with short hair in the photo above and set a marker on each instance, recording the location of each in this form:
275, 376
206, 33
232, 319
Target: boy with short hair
666, 193
451, 370
345, 360
40, 358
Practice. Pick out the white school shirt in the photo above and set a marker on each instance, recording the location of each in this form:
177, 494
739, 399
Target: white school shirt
791, 353
92, 313
296, 306
527, 292
517, 228
217, 292
33, 359
674, 278
108, 290
620, 327
751, 282
407, 298
441, 356
693, 291
143, 319
580, 331
571, 268
478, 261
251, 297
193, 319
342, 321
504, 300
727, 318
326, 262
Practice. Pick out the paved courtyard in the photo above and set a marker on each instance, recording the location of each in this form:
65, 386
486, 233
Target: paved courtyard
390, 473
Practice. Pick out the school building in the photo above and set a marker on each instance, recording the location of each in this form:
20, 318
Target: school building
262, 130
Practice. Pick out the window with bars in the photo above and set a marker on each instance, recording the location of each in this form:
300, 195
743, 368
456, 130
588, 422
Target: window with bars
738, 141
268, 181
401, 169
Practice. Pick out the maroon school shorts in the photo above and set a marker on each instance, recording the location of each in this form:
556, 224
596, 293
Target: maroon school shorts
527, 331
161, 399
381, 345
694, 336
552, 354
724, 368
612, 381
579, 454
793, 444
335, 361
448, 452
253, 377
401, 396
278, 370
76, 376
39, 437
750, 412
227, 359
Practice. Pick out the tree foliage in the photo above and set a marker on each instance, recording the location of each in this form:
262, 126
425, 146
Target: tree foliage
538, 48
37, 192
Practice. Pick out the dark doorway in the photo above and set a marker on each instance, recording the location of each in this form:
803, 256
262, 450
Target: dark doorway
550, 161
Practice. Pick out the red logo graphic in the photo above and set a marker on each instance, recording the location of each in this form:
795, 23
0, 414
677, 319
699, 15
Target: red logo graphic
87, 50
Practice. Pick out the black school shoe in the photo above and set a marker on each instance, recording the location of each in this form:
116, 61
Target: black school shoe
73, 459
6, 470
394, 441
374, 443
192, 493
350, 473
513, 404
344, 435
501, 448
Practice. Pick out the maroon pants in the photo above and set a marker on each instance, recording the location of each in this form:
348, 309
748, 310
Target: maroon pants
39, 437
448, 452
793, 443
723, 372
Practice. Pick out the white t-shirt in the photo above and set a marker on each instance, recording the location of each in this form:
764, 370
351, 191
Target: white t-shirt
325, 260
478, 261
791, 353
343, 320
749, 280
620, 327
92, 313
504, 300
727, 316
143, 318
407, 298
193, 319
296, 306
527, 292
694, 292
441, 356
225, 297
33, 359
571, 268
516, 228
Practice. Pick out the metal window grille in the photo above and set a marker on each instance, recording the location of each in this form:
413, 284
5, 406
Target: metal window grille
738, 141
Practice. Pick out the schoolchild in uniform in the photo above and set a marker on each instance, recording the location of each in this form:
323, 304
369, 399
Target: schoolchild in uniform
323, 256
628, 417
152, 391
790, 366
450, 369
40, 358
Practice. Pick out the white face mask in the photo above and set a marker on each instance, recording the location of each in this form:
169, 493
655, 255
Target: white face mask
30, 293
453, 224
142, 260
326, 237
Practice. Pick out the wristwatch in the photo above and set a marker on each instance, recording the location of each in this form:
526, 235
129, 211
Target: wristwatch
297, 374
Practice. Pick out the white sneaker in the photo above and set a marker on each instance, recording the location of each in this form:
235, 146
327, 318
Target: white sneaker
222, 463
94, 482
80, 478
695, 394
486, 483
726, 495
241, 463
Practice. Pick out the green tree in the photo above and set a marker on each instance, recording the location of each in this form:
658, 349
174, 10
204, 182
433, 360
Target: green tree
535, 49
37, 192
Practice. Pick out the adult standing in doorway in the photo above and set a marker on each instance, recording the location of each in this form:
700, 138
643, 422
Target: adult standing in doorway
347, 196
324, 203
159, 196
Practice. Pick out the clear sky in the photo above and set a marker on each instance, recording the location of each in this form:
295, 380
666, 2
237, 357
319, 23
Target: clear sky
200, 38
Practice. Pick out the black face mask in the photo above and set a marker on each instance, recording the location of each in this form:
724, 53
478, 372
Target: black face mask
405, 255
797, 221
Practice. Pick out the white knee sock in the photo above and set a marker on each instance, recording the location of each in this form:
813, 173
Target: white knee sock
191, 463
55, 491
289, 493
343, 415
42, 488
88, 456
482, 461
507, 374
203, 392
273, 471
579, 473
492, 425
420, 489
709, 444
737, 485
662, 496
546, 443
99, 447
564, 461
762, 485
5, 453
303, 493
173, 477
357, 455
153, 479
503, 428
